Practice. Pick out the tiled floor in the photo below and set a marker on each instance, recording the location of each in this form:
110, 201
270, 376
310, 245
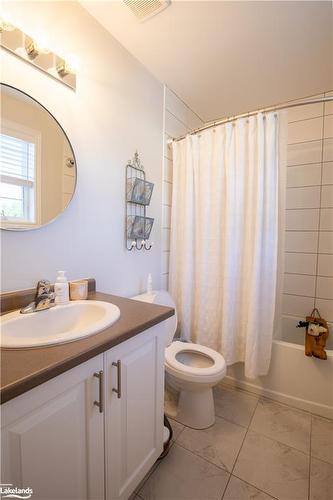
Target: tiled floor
257, 450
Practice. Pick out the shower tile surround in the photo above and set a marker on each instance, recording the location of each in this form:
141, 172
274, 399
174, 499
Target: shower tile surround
309, 205
308, 280
257, 449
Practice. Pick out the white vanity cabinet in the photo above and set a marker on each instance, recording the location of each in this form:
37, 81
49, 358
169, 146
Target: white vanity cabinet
52, 437
57, 441
133, 411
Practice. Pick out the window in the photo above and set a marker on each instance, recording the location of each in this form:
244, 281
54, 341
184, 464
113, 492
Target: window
18, 172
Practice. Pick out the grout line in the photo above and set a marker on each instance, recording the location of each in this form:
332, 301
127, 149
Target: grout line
310, 118
186, 105
307, 186
256, 487
297, 295
320, 199
307, 164
241, 446
309, 231
200, 456
303, 142
317, 458
291, 165
310, 458
305, 274
311, 253
299, 274
178, 119
303, 208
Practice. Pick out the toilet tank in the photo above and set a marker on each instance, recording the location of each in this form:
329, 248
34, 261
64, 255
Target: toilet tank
162, 298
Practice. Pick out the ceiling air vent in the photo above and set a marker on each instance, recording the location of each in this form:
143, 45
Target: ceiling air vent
144, 9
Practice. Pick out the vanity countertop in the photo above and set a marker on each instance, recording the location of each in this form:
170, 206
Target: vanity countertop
23, 369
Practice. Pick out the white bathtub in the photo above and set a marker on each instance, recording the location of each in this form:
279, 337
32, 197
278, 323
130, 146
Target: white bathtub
295, 379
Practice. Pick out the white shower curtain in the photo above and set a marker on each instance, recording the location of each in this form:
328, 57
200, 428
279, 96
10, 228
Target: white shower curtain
225, 238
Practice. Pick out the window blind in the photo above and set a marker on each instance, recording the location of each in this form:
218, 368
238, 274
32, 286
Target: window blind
17, 163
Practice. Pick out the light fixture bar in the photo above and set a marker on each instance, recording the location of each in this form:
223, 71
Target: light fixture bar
35, 53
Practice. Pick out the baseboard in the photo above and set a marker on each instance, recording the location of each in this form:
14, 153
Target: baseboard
302, 404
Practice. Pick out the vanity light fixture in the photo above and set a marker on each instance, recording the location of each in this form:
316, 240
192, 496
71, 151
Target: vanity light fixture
34, 51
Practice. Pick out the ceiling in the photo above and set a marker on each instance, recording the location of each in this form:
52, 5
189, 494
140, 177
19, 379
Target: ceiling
223, 58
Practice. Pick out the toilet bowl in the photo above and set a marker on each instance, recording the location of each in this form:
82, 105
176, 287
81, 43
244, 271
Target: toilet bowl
191, 369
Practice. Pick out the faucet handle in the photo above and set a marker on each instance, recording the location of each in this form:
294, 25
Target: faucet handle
43, 287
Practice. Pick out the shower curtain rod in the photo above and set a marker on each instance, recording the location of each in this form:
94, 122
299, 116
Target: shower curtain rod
278, 107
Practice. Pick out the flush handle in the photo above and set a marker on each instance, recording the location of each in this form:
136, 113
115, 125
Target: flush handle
118, 390
100, 403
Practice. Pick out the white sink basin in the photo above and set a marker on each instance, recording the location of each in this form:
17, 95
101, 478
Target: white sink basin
57, 325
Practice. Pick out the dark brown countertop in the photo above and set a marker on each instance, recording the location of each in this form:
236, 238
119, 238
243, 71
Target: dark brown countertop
23, 369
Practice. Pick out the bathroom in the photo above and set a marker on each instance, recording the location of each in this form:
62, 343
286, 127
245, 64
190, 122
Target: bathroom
144, 398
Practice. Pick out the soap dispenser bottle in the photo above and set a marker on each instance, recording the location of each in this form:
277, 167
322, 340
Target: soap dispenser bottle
61, 289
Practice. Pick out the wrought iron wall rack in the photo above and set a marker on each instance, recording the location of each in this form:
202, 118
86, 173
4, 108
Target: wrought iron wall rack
138, 192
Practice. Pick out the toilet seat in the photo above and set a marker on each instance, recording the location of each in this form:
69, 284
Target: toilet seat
194, 373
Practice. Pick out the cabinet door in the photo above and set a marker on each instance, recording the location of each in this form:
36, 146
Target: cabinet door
134, 418
52, 437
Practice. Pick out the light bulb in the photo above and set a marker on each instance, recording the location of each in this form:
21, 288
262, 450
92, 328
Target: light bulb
35, 47
41, 45
67, 66
72, 63
5, 25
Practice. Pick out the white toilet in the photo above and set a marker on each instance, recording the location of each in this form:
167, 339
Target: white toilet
192, 369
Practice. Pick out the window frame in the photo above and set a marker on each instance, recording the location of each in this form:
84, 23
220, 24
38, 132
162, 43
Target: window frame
27, 134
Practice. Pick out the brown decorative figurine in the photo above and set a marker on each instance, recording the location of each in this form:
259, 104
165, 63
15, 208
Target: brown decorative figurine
315, 335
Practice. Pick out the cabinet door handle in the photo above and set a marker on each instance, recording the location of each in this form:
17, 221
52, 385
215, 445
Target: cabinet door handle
118, 390
100, 403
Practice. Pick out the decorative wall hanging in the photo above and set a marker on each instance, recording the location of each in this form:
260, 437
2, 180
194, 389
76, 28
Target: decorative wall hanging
138, 196
316, 333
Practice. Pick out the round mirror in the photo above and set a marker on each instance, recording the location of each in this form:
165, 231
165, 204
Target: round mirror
37, 163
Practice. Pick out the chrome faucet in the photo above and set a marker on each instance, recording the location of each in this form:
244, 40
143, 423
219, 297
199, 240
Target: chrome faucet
44, 298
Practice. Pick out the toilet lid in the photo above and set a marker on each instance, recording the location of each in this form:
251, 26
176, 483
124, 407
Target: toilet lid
176, 349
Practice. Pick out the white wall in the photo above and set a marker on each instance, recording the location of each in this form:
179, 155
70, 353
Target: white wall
116, 109
179, 119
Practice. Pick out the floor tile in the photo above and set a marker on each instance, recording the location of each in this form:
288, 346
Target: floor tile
219, 444
234, 405
239, 490
273, 467
321, 480
322, 439
184, 476
283, 423
176, 428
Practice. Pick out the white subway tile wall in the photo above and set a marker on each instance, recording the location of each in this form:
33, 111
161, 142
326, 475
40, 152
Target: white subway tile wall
178, 120
309, 205
308, 269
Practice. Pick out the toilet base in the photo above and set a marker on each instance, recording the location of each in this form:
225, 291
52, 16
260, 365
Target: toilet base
196, 408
